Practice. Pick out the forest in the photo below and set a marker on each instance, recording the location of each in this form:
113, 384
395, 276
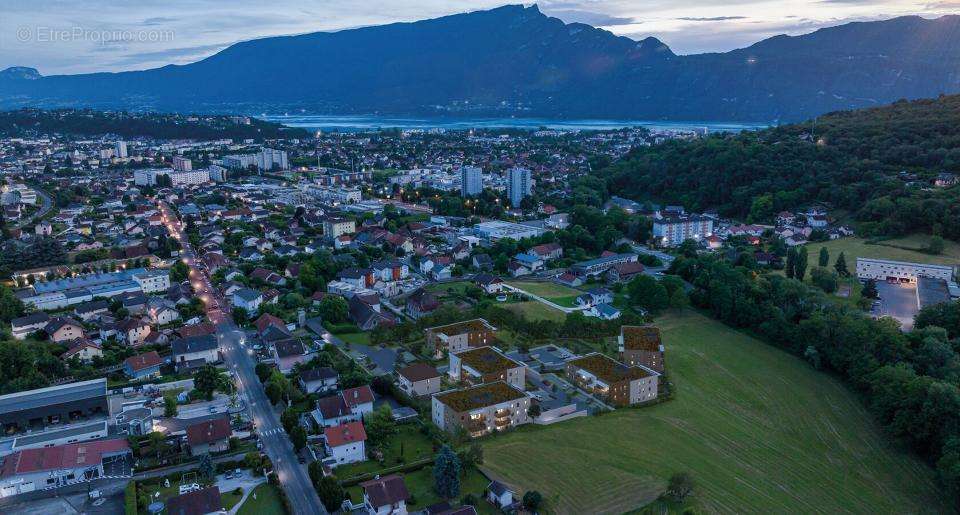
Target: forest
877, 165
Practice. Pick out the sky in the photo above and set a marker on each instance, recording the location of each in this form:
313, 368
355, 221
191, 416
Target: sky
81, 36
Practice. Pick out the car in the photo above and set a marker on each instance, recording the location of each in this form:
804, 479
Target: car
213, 409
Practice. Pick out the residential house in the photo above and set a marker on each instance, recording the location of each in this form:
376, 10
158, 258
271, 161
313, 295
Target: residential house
595, 296
22, 327
198, 502
247, 299
348, 405
500, 496
162, 311
386, 495
421, 303
63, 329
92, 309
460, 336
289, 352
143, 366
481, 409
209, 436
82, 349
486, 365
614, 382
195, 351
603, 312
318, 380
418, 380
345, 444
624, 272
547, 251
366, 312
133, 331
641, 346
482, 262
569, 279
489, 283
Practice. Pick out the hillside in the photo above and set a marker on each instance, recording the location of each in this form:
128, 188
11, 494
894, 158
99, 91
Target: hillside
849, 160
759, 430
518, 61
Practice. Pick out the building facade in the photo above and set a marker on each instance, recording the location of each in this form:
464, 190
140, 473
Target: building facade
481, 410
882, 269
519, 185
673, 230
471, 181
612, 381
460, 336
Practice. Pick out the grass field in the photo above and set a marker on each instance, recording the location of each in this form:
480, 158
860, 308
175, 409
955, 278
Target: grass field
853, 248
534, 310
758, 429
267, 502
354, 338
409, 443
557, 293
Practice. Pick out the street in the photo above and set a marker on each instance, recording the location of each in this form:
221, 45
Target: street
239, 359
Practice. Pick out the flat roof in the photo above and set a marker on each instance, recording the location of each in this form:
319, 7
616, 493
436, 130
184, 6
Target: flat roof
48, 436
610, 370
61, 394
906, 263
486, 360
481, 396
467, 326
931, 291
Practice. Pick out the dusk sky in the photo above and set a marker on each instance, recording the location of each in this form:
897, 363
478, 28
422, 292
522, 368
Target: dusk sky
77, 36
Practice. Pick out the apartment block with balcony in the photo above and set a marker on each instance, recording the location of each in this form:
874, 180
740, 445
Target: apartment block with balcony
460, 336
641, 346
486, 365
481, 410
611, 381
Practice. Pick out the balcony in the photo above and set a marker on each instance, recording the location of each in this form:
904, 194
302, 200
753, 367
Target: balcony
503, 422
503, 412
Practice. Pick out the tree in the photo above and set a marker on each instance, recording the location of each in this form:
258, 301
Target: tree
472, 455
800, 266
841, 266
330, 492
263, 371
680, 486
253, 461
170, 405
647, 292
534, 410
380, 426
824, 258
239, 315
289, 419
825, 279
870, 289
532, 500
334, 309
179, 272
935, 246
299, 438
206, 469
209, 379
10, 306
446, 473
790, 267
157, 443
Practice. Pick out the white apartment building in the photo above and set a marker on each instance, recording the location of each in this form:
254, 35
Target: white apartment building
471, 181
674, 230
269, 158
189, 176
120, 149
519, 185
182, 164
217, 173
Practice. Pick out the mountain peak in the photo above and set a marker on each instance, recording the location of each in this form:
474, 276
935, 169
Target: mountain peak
21, 73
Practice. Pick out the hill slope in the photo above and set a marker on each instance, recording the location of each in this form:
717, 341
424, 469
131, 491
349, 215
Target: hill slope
516, 60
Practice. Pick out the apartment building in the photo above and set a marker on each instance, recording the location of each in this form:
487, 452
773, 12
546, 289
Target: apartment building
673, 230
481, 410
418, 380
460, 336
334, 227
641, 346
612, 381
486, 365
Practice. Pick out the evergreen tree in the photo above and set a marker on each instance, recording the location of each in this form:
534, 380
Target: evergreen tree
791, 262
824, 259
800, 265
841, 266
446, 473
206, 469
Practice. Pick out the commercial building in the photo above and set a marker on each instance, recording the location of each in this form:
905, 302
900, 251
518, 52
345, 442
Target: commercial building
486, 365
65, 413
460, 336
519, 185
673, 230
471, 181
63, 465
61, 293
884, 270
481, 410
612, 381
189, 176
499, 229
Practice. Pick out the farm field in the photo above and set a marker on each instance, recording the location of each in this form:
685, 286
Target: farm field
534, 310
557, 293
759, 430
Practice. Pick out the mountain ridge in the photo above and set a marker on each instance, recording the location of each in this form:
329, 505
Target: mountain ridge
515, 60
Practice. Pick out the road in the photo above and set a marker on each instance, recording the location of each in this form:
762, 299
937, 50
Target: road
239, 359
45, 204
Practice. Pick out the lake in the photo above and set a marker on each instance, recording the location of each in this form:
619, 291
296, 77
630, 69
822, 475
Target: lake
355, 123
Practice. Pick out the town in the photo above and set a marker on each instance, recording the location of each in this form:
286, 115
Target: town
349, 321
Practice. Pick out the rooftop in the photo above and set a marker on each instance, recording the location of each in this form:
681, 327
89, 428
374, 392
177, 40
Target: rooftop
641, 337
481, 396
486, 360
62, 394
609, 370
468, 326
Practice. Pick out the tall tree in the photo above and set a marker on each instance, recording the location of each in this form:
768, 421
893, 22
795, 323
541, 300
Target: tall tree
800, 266
824, 258
206, 468
791, 264
446, 473
841, 266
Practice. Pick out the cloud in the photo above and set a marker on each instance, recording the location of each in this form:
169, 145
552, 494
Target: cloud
942, 6
714, 18
590, 18
159, 20
170, 54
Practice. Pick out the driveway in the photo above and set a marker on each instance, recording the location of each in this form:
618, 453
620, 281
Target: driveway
898, 301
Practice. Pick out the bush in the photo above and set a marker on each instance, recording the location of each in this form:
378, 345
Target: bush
130, 499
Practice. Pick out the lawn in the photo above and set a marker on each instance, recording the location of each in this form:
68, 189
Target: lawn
758, 429
355, 338
230, 499
853, 248
458, 287
266, 502
413, 444
535, 310
557, 293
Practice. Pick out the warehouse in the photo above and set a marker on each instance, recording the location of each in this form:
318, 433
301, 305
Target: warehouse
884, 270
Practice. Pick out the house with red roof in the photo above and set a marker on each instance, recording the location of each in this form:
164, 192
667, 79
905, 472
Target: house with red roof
385, 495
62, 465
345, 444
143, 366
209, 436
197, 502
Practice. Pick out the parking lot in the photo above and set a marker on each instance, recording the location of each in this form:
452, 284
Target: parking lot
897, 301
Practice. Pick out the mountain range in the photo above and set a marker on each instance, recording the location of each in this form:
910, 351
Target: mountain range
516, 61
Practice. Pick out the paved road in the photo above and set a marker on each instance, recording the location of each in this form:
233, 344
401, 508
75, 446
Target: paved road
239, 359
45, 204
